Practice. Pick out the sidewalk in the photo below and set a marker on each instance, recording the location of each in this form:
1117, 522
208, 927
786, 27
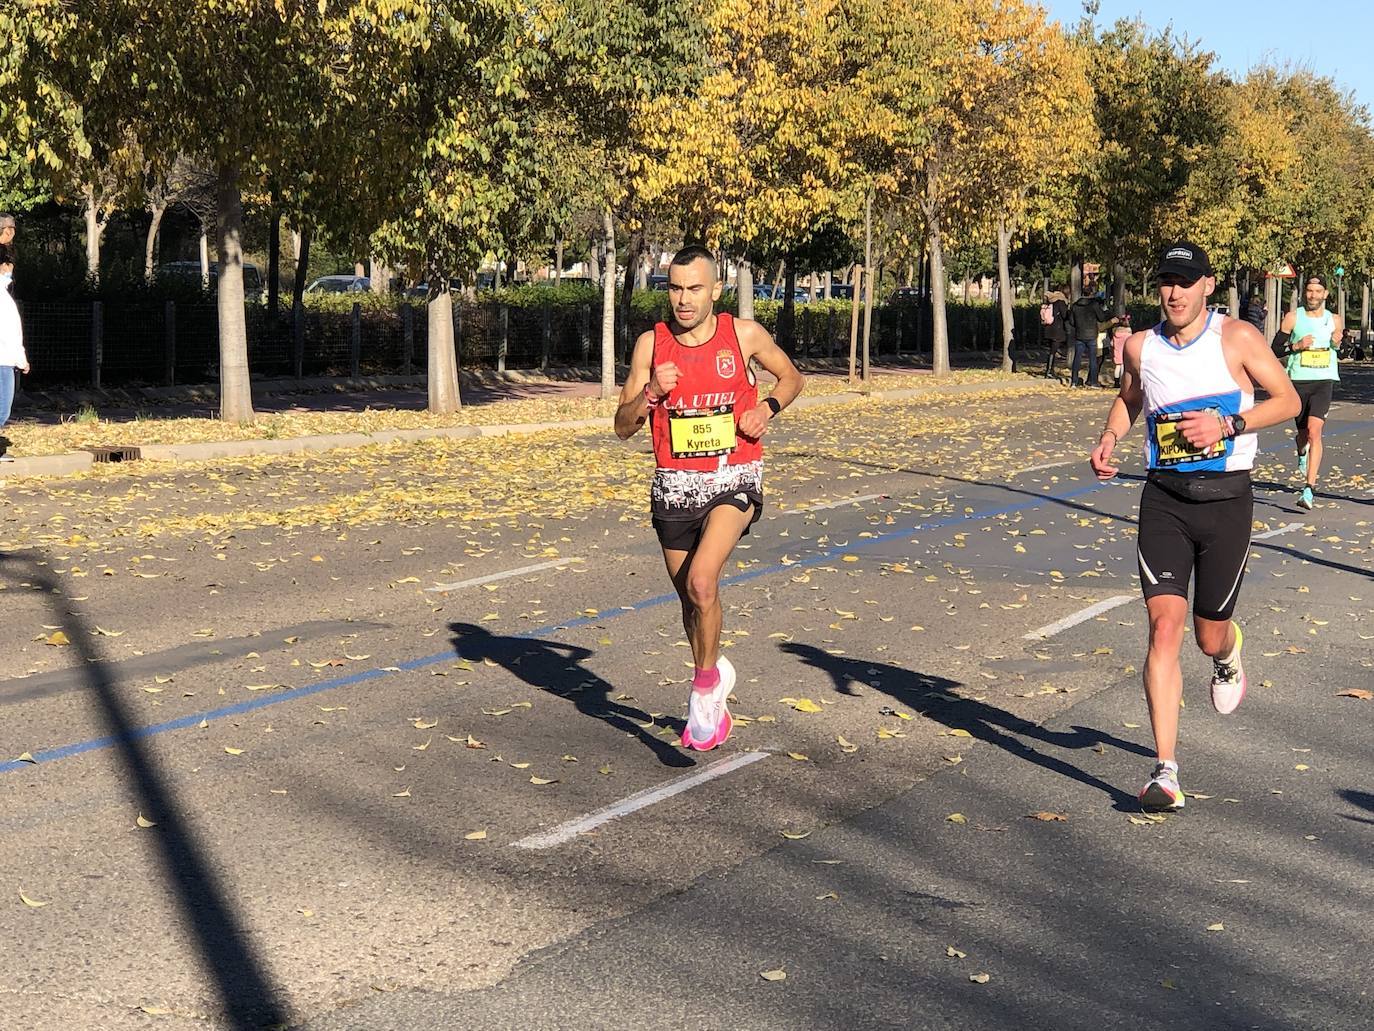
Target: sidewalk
492, 406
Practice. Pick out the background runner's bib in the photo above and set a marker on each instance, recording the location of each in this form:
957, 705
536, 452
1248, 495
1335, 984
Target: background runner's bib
1318, 362
1191, 378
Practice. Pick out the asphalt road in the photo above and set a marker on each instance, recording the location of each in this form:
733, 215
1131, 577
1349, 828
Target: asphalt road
283, 778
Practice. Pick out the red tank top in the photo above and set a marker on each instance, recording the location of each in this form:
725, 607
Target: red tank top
695, 426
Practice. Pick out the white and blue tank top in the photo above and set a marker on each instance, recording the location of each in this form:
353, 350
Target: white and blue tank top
1190, 377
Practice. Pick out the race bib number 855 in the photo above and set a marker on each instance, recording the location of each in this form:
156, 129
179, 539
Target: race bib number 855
702, 434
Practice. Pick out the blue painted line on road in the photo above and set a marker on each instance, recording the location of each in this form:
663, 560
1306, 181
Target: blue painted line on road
254, 704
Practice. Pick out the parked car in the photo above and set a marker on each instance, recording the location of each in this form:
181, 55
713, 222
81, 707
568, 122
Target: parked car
189, 272
658, 281
340, 285
906, 295
764, 292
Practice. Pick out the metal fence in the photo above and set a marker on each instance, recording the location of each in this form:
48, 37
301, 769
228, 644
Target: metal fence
107, 344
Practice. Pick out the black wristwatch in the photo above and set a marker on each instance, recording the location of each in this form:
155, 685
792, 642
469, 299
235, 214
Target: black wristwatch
1237, 425
772, 403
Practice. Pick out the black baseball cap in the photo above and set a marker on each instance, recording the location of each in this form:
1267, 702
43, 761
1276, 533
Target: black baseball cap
1185, 260
1315, 278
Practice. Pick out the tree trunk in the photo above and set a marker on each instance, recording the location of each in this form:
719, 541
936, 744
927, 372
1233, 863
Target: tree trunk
558, 262
301, 239
632, 262
379, 277
204, 259
777, 279
1004, 289
94, 231
608, 306
1340, 300
594, 257
1119, 288
939, 325
274, 256
868, 281
295, 245
856, 298
1364, 311
235, 391
1075, 278
359, 269
1233, 298
744, 289
825, 284
1272, 292
443, 356
787, 319
157, 210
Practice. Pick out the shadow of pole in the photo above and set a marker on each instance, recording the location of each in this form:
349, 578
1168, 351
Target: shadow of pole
247, 994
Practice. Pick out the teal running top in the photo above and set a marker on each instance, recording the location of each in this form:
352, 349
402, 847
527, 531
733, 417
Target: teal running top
1318, 362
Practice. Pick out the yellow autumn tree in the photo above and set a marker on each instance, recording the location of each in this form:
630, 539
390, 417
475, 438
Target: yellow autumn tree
747, 162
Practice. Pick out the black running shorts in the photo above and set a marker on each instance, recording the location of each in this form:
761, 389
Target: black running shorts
1203, 531
1315, 396
683, 534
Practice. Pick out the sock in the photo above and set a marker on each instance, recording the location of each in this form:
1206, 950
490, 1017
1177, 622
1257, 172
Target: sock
1231, 656
706, 679
1170, 763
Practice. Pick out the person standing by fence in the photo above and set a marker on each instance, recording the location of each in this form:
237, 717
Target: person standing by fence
13, 360
1086, 316
1053, 327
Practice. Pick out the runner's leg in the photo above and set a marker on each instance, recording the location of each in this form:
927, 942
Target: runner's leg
1313, 433
701, 580
1163, 672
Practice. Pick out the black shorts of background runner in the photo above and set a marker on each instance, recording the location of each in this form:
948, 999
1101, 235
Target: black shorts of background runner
683, 534
1315, 396
1196, 524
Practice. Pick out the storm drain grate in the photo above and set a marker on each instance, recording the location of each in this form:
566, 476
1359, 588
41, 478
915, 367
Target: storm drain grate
114, 454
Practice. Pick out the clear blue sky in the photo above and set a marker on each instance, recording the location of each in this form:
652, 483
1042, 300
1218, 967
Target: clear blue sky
1334, 38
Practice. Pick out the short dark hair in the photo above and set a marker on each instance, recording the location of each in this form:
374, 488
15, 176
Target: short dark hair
695, 252
6, 254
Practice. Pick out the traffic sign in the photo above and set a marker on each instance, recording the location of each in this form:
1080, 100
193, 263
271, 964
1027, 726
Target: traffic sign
1283, 270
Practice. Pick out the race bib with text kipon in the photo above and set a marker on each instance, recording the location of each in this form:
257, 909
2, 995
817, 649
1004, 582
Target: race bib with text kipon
1173, 448
702, 433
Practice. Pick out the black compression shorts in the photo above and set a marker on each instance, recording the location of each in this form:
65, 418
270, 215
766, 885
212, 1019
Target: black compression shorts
1206, 531
1315, 396
683, 534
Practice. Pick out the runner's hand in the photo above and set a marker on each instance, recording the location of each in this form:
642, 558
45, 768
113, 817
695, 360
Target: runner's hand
663, 380
754, 423
1305, 343
1200, 429
1101, 458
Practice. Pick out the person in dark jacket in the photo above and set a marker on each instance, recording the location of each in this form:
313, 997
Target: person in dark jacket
1255, 312
1054, 331
1086, 315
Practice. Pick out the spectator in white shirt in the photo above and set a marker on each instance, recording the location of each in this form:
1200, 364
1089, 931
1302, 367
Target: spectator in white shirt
13, 360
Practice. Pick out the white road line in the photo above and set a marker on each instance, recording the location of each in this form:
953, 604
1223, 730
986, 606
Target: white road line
1091, 612
565, 832
836, 504
478, 580
1285, 528
1047, 465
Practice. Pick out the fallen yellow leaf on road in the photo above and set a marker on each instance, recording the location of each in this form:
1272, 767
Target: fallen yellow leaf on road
773, 975
801, 704
954, 953
980, 978
845, 746
543, 780
790, 836
57, 639
1047, 817
797, 756
956, 818
31, 903
144, 822
1356, 692
1216, 927
475, 836
234, 751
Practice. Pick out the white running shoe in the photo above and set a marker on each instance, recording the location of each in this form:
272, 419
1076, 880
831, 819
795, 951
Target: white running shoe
708, 715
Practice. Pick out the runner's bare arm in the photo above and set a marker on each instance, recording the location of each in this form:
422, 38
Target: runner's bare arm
756, 342
1289, 320
1124, 411
634, 406
1337, 331
1259, 362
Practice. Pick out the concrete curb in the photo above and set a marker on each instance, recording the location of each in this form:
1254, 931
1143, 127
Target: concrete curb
80, 461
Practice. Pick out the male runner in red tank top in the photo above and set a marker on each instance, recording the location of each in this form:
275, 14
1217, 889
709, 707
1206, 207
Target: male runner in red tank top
691, 379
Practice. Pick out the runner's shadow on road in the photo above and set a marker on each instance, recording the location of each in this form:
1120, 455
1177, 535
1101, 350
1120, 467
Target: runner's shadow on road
558, 669
1361, 799
929, 696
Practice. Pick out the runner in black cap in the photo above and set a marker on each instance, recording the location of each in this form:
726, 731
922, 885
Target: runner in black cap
1194, 376
1314, 336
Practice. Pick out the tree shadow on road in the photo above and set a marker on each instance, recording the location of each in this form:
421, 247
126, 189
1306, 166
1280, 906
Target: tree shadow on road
929, 695
558, 668
227, 955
